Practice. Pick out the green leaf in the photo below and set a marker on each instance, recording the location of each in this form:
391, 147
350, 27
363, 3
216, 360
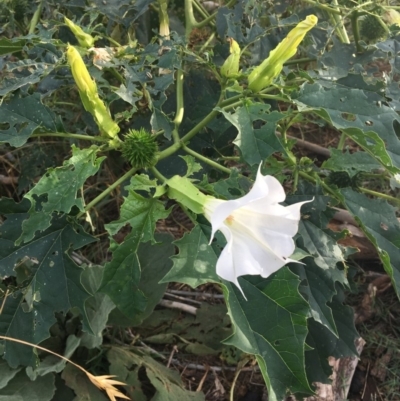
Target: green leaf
316, 238
256, 144
84, 389
325, 344
154, 262
8, 46
362, 117
272, 324
122, 275
379, 222
52, 363
167, 383
98, 307
21, 117
196, 260
6, 373
21, 388
60, 186
192, 166
318, 288
139, 212
353, 163
20, 73
51, 281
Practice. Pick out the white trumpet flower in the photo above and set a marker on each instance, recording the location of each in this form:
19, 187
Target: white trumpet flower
258, 230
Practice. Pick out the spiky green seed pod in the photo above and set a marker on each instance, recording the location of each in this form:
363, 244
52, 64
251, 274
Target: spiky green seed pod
339, 178
371, 28
140, 148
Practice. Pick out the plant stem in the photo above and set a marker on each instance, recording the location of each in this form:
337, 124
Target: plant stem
380, 195
206, 120
35, 18
71, 136
190, 20
158, 175
111, 188
339, 27
300, 60
179, 105
356, 30
342, 140
323, 6
206, 160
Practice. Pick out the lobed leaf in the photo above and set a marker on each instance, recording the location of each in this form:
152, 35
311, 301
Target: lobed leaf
256, 144
48, 278
272, 324
22, 116
379, 222
57, 190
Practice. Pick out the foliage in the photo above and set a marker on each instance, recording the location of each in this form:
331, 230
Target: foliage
190, 104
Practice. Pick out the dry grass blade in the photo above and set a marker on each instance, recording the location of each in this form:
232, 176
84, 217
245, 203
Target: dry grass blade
101, 382
105, 383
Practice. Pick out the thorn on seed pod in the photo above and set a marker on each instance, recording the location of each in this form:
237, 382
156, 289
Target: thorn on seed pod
140, 148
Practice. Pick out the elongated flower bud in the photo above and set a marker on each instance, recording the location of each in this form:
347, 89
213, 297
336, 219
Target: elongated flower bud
263, 75
88, 93
79, 71
84, 39
230, 68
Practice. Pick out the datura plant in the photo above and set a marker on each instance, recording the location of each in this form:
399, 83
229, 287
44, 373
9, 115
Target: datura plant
155, 151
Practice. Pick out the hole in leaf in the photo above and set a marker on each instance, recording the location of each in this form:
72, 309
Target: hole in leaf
369, 123
348, 116
384, 227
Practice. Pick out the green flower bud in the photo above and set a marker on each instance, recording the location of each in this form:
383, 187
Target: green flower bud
230, 68
263, 75
88, 93
84, 39
140, 148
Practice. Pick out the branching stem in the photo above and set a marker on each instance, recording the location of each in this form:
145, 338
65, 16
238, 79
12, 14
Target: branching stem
111, 188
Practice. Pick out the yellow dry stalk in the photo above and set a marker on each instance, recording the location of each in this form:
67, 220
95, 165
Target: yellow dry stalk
230, 68
84, 39
101, 382
263, 75
88, 93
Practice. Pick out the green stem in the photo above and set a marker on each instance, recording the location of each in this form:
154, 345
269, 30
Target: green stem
314, 180
35, 18
300, 60
179, 105
190, 20
201, 10
231, 102
356, 30
206, 160
71, 136
323, 7
342, 140
207, 42
117, 75
380, 195
67, 104
111, 188
158, 175
339, 27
